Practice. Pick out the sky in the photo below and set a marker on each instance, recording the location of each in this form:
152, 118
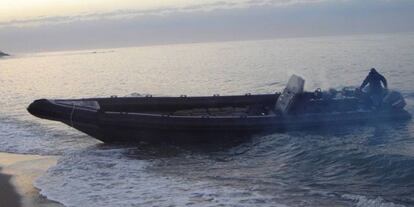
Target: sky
51, 25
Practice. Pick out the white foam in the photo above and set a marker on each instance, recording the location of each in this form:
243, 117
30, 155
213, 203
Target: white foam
27, 137
103, 178
362, 201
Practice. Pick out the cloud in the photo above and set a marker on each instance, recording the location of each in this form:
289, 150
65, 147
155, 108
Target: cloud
258, 20
164, 11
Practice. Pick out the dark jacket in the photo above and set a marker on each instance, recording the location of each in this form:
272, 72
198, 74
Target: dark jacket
374, 79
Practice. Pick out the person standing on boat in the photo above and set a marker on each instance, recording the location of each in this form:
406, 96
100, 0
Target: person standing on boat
375, 90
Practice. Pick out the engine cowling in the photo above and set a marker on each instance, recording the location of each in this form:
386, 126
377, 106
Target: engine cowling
394, 100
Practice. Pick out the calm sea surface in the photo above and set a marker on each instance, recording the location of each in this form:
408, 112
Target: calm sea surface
351, 166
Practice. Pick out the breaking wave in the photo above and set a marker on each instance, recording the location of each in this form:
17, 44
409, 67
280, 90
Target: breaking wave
109, 177
28, 137
362, 201
328, 168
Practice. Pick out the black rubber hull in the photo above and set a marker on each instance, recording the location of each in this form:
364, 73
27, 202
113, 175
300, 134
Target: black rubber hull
136, 127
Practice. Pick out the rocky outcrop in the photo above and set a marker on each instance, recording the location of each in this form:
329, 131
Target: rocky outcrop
2, 54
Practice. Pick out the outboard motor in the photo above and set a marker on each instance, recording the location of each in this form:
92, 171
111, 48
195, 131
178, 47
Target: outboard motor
288, 97
394, 100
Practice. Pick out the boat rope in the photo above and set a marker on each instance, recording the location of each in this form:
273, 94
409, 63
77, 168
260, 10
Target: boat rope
71, 114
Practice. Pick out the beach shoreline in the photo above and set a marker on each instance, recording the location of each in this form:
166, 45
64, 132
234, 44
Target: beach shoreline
17, 174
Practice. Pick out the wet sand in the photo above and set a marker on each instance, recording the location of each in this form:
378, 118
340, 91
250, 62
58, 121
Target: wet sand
17, 174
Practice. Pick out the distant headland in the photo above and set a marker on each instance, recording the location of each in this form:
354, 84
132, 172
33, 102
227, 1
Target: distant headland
2, 54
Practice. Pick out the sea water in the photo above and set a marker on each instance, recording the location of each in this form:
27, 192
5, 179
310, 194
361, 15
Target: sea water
370, 165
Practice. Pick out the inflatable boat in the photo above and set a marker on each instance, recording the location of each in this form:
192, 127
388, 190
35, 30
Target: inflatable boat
197, 119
